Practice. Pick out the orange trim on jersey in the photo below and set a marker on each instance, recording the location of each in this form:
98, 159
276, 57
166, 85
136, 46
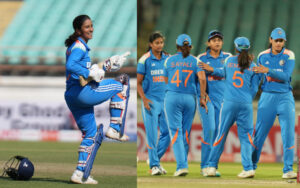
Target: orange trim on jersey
202, 140
266, 51
292, 147
218, 142
286, 51
187, 137
175, 137
148, 146
121, 96
251, 141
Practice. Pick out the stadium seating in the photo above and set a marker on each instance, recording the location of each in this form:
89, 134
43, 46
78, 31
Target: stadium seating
37, 33
254, 19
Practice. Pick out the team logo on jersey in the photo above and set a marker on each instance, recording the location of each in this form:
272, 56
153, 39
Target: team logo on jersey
88, 64
153, 65
281, 62
267, 63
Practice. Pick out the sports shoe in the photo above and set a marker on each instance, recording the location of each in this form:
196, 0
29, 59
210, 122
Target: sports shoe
155, 171
289, 175
211, 172
181, 172
90, 180
246, 174
204, 172
163, 171
77, 178
114, 134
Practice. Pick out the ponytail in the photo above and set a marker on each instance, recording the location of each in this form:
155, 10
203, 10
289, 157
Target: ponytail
71, 39
244, 60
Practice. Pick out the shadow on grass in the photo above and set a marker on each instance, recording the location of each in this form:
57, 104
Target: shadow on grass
39, 179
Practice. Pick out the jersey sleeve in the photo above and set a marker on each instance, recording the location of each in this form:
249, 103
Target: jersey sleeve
72, 64
166, 68
141, 66
255, 80
220, 71
198, 65
288, 68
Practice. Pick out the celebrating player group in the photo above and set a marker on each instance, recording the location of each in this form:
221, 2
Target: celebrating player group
222, 87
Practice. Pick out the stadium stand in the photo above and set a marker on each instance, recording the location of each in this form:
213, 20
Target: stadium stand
37, 33
251, 18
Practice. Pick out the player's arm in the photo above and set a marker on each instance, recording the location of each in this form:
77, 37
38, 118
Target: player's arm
255, 81
203, 95
73, 66
284, 75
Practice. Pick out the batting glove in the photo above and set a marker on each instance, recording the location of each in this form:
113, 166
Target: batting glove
115, 62
96, 73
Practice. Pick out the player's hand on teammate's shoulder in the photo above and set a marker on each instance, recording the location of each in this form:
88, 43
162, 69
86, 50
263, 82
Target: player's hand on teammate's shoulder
206, 67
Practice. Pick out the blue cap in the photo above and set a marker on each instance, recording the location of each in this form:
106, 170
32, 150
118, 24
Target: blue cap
242, 43
183, 38
278, 33
215, 33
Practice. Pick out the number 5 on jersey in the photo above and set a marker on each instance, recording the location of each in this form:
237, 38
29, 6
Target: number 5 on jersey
175, 79
236, 77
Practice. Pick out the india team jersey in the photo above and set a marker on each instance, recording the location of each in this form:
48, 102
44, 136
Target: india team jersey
152, 69
239, 87
215, 83
281, 67
78, 62
181, 73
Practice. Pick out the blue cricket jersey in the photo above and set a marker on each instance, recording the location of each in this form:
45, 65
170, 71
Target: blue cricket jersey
78, 62
281, 67
152, 69
215, 83
182, 73
239, 87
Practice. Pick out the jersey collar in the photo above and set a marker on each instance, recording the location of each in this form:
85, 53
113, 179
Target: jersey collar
221, 55
85, 44
273, 55
163, 56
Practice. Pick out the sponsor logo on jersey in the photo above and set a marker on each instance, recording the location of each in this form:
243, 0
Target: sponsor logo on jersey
281, 62
157, 72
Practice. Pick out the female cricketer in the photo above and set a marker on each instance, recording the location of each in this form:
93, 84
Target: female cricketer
181, 71
241, 85
81, 100
151, 88
276, 64
213, 58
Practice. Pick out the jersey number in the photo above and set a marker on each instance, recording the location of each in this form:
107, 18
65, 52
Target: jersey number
175, 79
235, 77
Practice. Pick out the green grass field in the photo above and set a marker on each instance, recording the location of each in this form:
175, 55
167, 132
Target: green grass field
267, 175
54, 162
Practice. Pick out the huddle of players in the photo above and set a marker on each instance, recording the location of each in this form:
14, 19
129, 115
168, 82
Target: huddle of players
222, 86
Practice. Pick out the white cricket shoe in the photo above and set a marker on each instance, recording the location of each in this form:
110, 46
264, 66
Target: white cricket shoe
155, 171
246, 174
204, 172
181, 172
77, 178
163, 171
114, 134
90, 180
211, 171
289, 175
